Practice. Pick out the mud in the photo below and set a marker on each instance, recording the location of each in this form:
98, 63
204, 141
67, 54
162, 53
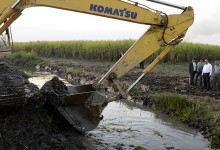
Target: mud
176, 84
55, 91
37, 125
164, 78
28, 122
80, 105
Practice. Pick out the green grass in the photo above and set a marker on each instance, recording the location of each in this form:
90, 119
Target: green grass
215, 138
180, 107
192, 111
26, 59
110, 50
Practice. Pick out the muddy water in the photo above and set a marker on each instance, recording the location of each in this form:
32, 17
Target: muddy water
42, 78
126, 126
130, 127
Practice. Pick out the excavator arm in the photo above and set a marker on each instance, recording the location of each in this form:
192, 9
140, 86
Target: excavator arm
165, 30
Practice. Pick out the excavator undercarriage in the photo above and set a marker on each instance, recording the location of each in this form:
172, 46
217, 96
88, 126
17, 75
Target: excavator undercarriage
15, 90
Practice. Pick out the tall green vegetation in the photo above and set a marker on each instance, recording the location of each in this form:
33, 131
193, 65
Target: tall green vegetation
96, 50
110, 50
186, 51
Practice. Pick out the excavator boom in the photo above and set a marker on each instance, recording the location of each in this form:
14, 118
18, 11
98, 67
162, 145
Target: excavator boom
116, 9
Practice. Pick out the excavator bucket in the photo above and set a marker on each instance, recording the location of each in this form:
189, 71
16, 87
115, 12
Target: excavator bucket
83, 107
80, 105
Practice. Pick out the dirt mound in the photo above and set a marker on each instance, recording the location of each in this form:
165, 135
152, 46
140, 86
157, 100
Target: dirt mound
54, 91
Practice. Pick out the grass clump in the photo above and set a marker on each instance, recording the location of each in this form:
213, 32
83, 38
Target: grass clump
26, 59
215, 138
79, 73
180, 107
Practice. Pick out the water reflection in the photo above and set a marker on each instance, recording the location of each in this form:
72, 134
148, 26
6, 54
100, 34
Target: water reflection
132, 126
41, 79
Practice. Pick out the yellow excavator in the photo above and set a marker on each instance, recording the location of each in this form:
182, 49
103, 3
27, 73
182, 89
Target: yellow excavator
83, 105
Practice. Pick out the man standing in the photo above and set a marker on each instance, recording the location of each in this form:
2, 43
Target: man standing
192, 71
199, 72
142, 65
207, 72
216, 76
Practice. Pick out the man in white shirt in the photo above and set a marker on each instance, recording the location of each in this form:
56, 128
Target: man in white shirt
207, 72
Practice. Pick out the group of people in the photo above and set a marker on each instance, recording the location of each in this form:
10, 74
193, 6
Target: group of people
205, 73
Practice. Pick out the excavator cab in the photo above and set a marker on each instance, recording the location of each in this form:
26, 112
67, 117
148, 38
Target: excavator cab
5, 44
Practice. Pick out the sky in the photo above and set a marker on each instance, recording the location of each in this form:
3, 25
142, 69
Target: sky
43, 23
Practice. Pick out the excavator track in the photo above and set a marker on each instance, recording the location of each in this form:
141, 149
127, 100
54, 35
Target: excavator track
15, 90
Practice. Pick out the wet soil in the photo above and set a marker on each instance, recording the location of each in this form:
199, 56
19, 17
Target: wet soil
165, 77
30, 123
38, 126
